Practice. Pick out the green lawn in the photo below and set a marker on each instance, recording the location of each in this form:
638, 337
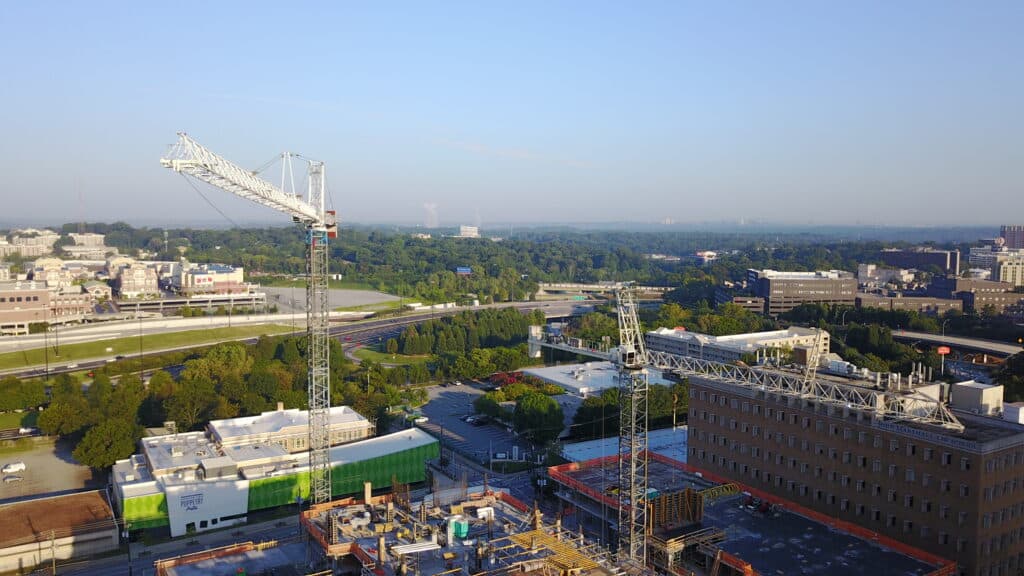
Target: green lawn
124, 346
10, 420
372, 355
23, 444
340, 284
388, 306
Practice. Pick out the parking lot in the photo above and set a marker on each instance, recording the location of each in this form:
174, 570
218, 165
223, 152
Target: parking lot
446, 408
49, 470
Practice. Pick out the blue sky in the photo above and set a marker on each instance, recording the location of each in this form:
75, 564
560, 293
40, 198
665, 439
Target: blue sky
794, 112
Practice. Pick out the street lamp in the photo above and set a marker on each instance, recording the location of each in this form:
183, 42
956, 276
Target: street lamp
844, 317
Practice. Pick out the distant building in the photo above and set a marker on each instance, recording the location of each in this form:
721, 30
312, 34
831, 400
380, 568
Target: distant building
1013, 236
920, 304
98, 290
872, 275
88, 246
195, 279
1009, 268
706, 256
729, 349
25, 303
136, 280
784, 291
421, 236
5, 272
469, 232
951, 286
464, 271
947, 261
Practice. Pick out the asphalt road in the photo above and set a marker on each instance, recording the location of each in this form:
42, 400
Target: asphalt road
447, 406
131, 328
294, 299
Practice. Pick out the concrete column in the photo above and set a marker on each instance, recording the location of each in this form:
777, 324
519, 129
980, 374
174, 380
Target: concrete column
367, 492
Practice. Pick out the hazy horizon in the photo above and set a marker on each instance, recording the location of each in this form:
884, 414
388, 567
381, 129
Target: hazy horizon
795, 114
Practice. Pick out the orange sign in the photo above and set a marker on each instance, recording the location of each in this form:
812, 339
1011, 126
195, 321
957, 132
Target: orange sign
942, 350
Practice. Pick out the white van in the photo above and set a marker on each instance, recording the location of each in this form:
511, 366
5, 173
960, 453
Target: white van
13, 467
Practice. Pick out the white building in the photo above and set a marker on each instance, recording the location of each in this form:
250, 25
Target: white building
872, 275
137, 280
289, 429
193, 279
731, 348
469, 232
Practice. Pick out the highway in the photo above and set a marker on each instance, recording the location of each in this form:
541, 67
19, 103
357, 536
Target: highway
363, 331
973, 344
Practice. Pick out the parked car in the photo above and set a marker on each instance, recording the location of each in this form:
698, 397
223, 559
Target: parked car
12, 479
13, 467
24, 430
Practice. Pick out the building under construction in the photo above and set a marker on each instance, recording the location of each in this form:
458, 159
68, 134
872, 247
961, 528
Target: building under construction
702, 524
449, 530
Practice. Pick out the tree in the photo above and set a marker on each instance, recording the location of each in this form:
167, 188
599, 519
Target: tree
66, 417
191, 403
539, 417
392, 346
106, 443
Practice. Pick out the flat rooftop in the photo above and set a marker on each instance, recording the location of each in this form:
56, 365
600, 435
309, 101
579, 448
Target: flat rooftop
280, 560
277, 420
588, 378
787, 543
26, 521
739, 342
777, 542
669, 442
178, 451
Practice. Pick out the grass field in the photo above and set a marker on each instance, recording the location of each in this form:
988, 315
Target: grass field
10, 420
23, 444
123, 346
339, 284
372, 355
389, 306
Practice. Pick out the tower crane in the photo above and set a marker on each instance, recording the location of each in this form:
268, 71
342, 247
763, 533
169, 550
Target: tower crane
631, 359
190, 158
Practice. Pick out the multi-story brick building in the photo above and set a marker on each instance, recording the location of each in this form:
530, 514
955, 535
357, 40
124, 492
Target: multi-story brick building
947, 261
1013, 236
956, 493
921, 304
784, 291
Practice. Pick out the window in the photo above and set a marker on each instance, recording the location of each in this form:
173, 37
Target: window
892, 496
894, 445
878, 441
203, 524
908, 501
928, 454
965, 490
947, 458
965, 463
892, 470
926, 479
909, 475
911, 449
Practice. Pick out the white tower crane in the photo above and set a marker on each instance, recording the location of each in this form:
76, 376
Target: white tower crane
631, 358
189, 157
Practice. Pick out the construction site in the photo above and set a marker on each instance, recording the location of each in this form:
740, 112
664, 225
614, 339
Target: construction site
704, 525
452, 529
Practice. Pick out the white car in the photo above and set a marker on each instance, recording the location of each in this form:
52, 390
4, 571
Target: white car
12, 479
13, 467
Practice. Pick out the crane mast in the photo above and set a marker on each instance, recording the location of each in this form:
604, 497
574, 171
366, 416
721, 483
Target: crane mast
631, 358
189, 157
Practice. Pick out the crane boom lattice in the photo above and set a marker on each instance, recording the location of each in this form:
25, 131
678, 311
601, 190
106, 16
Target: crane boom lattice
633, 386
189, 157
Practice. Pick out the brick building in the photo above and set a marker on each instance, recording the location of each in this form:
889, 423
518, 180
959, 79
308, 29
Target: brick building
956, 493
783, 291
947, 261
921, 304
1013, 236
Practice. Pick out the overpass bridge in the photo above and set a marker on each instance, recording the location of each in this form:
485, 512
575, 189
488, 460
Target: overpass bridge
991, 347
594, 288
892, 403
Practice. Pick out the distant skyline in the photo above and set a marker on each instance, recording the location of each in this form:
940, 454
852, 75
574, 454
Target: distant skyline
792, 113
